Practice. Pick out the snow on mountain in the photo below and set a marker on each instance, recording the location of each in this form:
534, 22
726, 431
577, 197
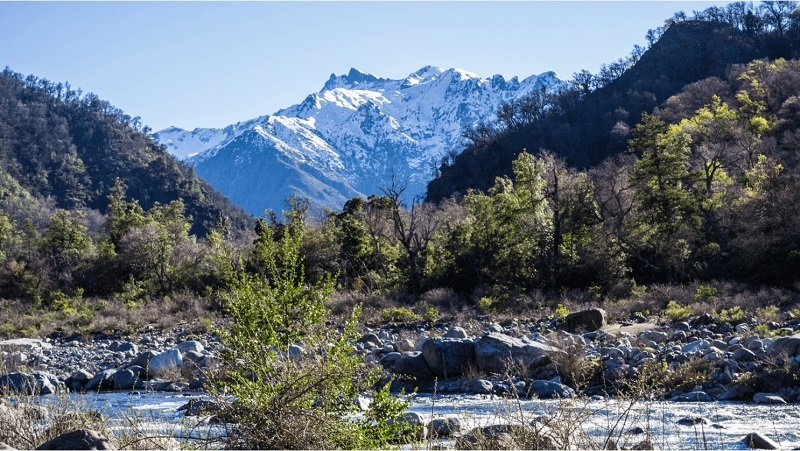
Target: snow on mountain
350, 138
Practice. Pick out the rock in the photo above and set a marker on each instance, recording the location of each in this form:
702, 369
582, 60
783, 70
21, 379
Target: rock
505, 436
494, 352
588, 320
743, 355
164, 363
389, 359
785, 346
768, 398
695, 396
549, 389
38, 383
443, 427
371, 338
296, 352
414, 422
692, 421
127, 378
413, 365
81, 376
759, 441
481, 386
404, 345
655, 336
101, 381
80, 439
190, 345
124, 347
448, 357
643, 445
456, 332
143, 359
3, 445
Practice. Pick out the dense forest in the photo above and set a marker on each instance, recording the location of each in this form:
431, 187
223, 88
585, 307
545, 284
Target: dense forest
676, 165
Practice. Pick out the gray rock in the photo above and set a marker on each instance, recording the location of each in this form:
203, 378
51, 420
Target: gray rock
190, 345
456, 332
692, 421
413, 365
505, 436
768, 398
80, 439
165, 363
404, 345
588, 320
448, 357
695, 396
131, 377
481, 386
655, 336
81, 376
549, 389
443, 427
197, 407
124, 347
101, 381
760, 441
785, 346
494, 352
743, 355
143, 359
389, 359
37, 383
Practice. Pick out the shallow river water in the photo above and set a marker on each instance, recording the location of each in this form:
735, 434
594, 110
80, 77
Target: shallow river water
723, 427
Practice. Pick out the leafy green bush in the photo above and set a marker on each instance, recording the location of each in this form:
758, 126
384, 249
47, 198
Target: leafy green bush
561, 311
732, 315
675, 311
399, 315
301, 399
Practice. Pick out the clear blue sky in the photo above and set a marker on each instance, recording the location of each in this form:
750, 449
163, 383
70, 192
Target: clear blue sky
211, 64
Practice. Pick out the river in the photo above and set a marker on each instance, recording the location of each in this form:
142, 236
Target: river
724, 425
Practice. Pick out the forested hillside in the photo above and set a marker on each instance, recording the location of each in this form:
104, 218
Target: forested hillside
592, 119
68, 148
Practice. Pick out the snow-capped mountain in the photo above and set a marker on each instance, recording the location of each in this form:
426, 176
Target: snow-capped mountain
348, 139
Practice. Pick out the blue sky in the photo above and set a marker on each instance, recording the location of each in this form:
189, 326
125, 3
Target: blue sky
211, 64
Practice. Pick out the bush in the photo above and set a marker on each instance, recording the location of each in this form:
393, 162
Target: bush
302, 399
675, 311
399, 315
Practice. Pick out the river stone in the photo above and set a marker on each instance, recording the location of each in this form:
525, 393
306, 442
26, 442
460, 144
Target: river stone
164, 363
448, 357
190, 345
456, 332
692, 421
494, 352
588, 320
143, 359
413, 365
443, 427
124, 347
389, 359
768, 398
759, 441
505, 436
695, 396
404, 345
38, 383
6, 446
743, 355
549, 389
785, 346
481, 386
81, 376
101, 381
371, 338
655, 336
127, 378
80, 439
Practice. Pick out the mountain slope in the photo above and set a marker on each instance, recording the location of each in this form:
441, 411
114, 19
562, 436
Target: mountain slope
59, 147
350, 138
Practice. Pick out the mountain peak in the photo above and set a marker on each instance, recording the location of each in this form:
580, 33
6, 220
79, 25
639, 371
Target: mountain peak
353, 78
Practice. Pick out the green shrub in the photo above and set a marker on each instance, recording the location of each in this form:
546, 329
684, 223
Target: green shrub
675, 311
732, 315
768, 313
703, 293
561, 311
399, 315
296, 401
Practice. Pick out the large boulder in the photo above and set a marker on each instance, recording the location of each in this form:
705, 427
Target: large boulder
506, 436
548, 389
588, 320
760, 441
448, 357
414, 366
494, 352
165, 363
79, 439
104, 380
785, 346
38, 383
